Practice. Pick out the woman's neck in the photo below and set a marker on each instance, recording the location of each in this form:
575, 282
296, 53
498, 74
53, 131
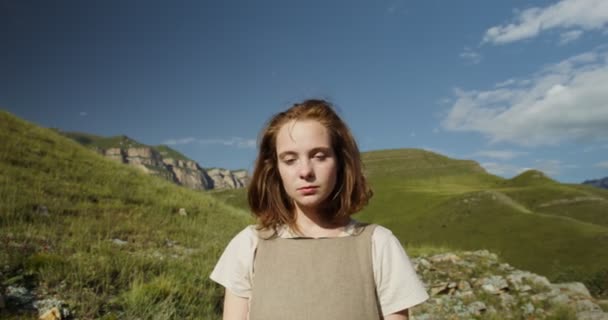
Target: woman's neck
312, 224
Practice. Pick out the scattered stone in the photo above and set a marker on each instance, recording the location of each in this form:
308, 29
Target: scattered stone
439, 289
445, 257
476, 284
119, 242
52, 314
528, 308
574, 287
19, 296
45, 306
477, 307
464, 285
586, 305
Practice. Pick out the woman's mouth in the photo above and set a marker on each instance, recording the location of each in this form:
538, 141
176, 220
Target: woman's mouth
308, 190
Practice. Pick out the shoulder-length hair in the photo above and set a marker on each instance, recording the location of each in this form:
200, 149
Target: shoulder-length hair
267, 198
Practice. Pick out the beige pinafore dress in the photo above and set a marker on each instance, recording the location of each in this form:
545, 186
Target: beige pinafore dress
315, 279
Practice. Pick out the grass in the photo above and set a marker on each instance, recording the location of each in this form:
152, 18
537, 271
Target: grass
63, 205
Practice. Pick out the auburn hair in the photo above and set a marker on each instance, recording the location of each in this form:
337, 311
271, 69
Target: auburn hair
266, 195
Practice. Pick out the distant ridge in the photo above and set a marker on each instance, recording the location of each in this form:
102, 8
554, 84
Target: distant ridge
161, 161
600, 183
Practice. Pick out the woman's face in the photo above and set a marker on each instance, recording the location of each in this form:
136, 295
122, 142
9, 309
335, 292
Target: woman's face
307, 162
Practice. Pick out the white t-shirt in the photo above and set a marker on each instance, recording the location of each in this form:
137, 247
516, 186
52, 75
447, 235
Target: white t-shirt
397, 284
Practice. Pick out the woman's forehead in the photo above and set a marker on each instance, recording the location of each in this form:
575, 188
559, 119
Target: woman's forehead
302, 135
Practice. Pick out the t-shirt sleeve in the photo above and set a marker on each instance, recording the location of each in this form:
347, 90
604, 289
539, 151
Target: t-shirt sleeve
235, 267
397, 284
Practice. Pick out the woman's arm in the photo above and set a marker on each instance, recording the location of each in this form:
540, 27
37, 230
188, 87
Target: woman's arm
401, 315
235, 307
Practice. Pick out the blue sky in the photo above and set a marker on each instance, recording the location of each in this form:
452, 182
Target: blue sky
510, 84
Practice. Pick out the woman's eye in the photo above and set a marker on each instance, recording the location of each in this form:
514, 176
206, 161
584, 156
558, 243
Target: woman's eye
320, 156
289, 161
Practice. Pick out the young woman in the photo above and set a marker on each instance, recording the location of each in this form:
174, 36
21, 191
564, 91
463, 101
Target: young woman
306, 258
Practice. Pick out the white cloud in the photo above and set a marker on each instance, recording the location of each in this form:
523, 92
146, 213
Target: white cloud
567, 14
603, 164
470, 55
569, 36
173, 142
562, 102
499, 154
232, 142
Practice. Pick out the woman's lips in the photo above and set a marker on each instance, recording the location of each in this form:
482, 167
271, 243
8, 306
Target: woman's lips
308, 190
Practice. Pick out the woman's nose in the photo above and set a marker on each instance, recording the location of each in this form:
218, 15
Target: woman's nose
306, 170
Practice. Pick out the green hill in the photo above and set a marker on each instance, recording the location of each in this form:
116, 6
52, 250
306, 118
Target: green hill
531, 221
91, 140
104, 237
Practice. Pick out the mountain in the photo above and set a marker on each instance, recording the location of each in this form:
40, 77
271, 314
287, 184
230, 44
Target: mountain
600, 183
161, 161
100, 239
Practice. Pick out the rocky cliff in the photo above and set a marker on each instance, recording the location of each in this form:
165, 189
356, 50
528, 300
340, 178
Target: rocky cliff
162, 161
184, 172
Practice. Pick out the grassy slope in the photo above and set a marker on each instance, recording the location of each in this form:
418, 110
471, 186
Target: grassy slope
530, 220
164, 268
121, 141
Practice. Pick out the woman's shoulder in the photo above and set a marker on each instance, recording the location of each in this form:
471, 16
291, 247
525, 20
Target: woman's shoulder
249, 234
382, 235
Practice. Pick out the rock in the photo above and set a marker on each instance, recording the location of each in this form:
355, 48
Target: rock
19, 296
52, 314
574, 287
490, 289
528, 308
540, 281
477, 285
559, 299
182, 212
119, 242
439, 288
444, 257
463, 285
586, 305
44, 306
422, 263
507, 300
477, 307
494, 284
